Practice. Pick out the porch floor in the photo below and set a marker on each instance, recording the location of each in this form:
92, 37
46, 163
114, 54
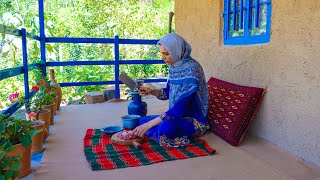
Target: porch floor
255, 159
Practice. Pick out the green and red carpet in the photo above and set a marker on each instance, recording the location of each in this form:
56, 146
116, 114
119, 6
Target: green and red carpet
102, 154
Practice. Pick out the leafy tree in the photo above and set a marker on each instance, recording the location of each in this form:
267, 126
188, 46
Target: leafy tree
145, 19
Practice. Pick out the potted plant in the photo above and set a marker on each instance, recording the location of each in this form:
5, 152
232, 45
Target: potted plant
34, 111
16, 136
9, 166
45, 98
37, 125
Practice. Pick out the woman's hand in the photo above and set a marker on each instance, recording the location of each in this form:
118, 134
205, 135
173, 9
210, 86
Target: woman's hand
144, 91
141, 130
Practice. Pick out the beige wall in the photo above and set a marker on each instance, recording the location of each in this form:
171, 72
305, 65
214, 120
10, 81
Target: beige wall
289, 66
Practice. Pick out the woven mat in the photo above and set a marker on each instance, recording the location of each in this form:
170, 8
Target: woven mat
102, 154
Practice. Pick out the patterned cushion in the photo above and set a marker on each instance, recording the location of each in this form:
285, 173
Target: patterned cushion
232, 107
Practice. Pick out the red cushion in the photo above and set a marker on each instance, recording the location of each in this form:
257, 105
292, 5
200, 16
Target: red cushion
232, 107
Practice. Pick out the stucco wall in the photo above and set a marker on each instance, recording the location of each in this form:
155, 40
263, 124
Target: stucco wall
289, 66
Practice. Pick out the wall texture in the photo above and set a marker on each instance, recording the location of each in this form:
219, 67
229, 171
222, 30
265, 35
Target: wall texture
289, 66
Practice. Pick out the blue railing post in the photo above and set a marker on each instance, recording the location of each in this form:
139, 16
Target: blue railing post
116, 67
25, 65
42, 37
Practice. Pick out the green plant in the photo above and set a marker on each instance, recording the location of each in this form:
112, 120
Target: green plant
44, 94
83, 18
9, 166
13, 131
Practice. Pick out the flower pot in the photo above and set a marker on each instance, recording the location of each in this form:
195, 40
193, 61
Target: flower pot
45, 131
51, 108
37, 140
45, 115
55, 100
25, 159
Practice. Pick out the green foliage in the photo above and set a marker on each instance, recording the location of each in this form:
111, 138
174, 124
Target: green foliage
145, 19
9, 166
13, 131
44, 95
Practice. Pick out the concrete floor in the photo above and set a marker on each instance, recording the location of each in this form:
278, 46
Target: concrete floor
255, 159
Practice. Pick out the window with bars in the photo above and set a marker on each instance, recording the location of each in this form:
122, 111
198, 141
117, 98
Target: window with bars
246, 22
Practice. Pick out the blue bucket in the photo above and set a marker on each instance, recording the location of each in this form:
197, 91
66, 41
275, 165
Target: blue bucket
130, 121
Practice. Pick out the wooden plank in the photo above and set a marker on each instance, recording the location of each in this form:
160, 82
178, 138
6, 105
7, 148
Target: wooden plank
9, 30
33, 66
10, 72
12, 109
32, 36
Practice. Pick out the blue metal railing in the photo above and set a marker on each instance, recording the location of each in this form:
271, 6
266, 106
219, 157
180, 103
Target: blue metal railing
116, 62
11, 72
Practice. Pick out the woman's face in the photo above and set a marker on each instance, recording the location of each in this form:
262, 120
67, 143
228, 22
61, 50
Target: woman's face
165, 55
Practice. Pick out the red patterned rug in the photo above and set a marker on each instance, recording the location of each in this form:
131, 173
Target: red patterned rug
102, 154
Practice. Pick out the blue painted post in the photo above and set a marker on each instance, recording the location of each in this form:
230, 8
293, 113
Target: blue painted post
226, 22
25, 65
246, 16
234, 25
269, 11
257, 14
116, 67
42, 37
241, 14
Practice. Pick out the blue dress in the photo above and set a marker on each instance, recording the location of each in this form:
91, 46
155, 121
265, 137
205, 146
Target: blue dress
181, 122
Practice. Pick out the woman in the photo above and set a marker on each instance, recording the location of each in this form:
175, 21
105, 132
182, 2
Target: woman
187, 93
